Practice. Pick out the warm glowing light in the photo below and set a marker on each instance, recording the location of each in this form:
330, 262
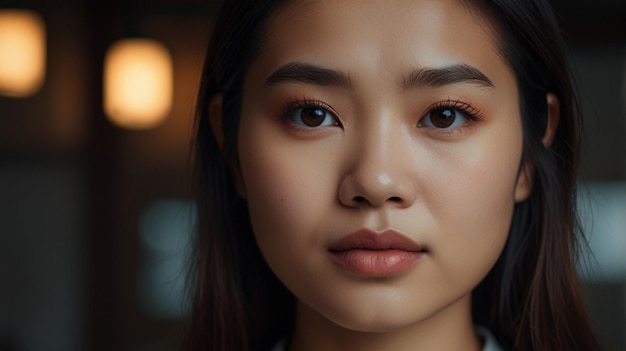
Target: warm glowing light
138, 83
22, 52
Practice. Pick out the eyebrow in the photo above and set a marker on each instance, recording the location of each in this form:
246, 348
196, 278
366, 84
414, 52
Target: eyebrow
307, 73
438, 77
299, 72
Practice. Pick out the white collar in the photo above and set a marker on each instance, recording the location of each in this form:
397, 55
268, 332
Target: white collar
491, 344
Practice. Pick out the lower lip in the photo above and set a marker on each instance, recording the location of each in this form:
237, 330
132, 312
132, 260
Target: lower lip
376, 263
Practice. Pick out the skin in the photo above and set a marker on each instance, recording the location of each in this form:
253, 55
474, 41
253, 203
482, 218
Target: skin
378, 163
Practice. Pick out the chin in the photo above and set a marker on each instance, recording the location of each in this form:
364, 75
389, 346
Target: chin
373, 323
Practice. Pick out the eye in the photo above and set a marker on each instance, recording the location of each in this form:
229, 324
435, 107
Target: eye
309, 114
449, 115
443, 118
312, 117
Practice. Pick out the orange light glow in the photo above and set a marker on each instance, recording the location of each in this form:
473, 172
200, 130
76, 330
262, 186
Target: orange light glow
22, 52
138, 83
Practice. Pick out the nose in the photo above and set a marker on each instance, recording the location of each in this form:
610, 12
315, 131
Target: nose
381, 172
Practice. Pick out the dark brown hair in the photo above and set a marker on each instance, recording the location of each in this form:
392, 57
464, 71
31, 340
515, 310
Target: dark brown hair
531, 298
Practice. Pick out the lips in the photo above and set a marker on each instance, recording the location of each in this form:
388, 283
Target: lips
368, 253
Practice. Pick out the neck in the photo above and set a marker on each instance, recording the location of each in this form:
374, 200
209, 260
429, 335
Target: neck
447, 330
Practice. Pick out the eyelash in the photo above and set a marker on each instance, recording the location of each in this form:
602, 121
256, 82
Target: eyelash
287, 111
295, 104
467, 109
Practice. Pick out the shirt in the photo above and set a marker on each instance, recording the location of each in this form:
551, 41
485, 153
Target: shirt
491, 344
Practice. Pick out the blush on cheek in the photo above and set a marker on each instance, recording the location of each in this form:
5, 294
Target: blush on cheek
280, 196
472, 195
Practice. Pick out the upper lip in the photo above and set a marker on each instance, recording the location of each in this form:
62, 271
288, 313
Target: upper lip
366, 239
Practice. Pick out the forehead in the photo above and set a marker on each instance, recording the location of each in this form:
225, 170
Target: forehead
381, 35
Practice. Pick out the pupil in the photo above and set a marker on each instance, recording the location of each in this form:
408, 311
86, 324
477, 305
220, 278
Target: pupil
312, 116
443, 118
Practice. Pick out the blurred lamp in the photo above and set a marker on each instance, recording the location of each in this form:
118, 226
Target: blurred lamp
138, 83
22, 52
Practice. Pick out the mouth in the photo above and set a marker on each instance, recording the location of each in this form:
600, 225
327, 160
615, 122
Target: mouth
371, 254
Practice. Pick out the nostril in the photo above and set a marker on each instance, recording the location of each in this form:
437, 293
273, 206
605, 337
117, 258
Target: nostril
360, 199
363, 200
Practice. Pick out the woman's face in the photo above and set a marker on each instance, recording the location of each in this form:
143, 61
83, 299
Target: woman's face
379, 149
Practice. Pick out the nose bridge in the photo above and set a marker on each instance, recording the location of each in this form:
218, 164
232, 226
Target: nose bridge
380, 167
376, 150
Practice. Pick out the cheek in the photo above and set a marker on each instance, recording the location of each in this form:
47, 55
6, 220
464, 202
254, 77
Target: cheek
475, 200
288, 188
280, 195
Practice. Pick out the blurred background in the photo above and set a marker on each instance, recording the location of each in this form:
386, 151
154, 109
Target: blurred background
95, 211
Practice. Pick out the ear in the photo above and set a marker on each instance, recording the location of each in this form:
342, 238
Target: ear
524, 182
215, 119
554, 113
525, 178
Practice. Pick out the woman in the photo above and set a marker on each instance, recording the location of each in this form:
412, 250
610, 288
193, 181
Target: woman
386, 175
